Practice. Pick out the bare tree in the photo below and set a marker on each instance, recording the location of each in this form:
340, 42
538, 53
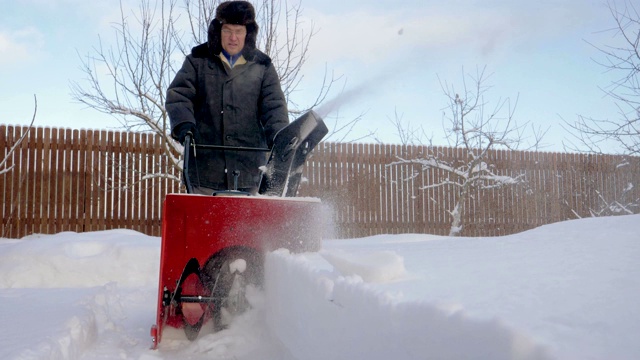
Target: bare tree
589, 134
625, 204
476, 129
4, 168
622, 133
612, 192
129, 79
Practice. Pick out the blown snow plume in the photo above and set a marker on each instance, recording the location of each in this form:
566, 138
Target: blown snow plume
349, 96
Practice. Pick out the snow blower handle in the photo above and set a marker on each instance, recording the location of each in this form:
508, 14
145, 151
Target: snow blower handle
189, 143
185, 163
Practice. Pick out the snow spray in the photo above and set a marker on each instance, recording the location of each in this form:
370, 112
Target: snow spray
366, 87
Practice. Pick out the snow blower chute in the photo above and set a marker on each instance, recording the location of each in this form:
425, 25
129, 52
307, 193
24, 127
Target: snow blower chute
213, 246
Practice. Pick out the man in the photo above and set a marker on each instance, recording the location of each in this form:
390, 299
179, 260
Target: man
227, 93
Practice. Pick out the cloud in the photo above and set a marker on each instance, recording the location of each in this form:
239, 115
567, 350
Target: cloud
20, 46
367, 35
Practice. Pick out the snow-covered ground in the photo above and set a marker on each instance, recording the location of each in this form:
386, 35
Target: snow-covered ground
569, 290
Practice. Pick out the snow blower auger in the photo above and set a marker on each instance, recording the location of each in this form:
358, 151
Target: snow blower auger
213, 246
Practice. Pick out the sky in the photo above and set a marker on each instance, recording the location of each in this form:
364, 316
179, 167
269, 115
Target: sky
391, 58
567, 290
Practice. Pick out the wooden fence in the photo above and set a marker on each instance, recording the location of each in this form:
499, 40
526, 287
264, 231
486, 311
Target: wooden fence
84, 180
366, 196
81, 180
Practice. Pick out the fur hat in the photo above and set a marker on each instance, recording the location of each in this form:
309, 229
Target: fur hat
235, 13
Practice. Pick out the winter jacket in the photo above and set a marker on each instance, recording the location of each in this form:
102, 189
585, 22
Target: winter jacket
243, 106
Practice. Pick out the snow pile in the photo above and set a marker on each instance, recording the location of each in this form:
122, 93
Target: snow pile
379, 266
324, 315
60, 292
45, 324
563, 291
80, 260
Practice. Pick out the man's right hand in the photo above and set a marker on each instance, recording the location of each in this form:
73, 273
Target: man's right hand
184, 129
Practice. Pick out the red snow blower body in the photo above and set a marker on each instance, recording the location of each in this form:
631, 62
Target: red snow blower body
213, 246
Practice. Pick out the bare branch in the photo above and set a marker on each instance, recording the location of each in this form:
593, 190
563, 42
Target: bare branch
592, 135
3, 164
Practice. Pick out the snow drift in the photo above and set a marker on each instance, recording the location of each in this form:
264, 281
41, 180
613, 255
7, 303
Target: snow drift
567, 291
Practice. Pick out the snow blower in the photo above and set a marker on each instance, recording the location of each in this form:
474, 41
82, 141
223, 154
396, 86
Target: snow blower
213, 247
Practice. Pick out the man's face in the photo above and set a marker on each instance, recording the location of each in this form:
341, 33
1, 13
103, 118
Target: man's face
233, 38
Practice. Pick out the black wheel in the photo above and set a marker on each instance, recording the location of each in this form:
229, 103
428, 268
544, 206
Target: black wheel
226, 275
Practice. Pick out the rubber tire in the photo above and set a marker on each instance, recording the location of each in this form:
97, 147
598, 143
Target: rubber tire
217, 267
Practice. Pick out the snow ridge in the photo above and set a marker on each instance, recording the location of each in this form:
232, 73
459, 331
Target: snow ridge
321, 314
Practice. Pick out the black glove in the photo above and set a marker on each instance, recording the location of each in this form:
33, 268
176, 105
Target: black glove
183, 129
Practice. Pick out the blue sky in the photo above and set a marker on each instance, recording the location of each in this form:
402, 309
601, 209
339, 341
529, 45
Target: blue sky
392, 52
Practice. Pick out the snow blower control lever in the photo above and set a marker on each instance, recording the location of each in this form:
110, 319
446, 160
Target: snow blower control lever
283, 172
189, 145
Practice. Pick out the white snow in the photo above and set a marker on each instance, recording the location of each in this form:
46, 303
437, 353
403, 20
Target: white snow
569, 290
238, 265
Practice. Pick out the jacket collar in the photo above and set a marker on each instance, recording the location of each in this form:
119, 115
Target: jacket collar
202, 51
232, 61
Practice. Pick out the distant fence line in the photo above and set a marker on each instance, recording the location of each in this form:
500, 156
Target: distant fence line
91, 180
